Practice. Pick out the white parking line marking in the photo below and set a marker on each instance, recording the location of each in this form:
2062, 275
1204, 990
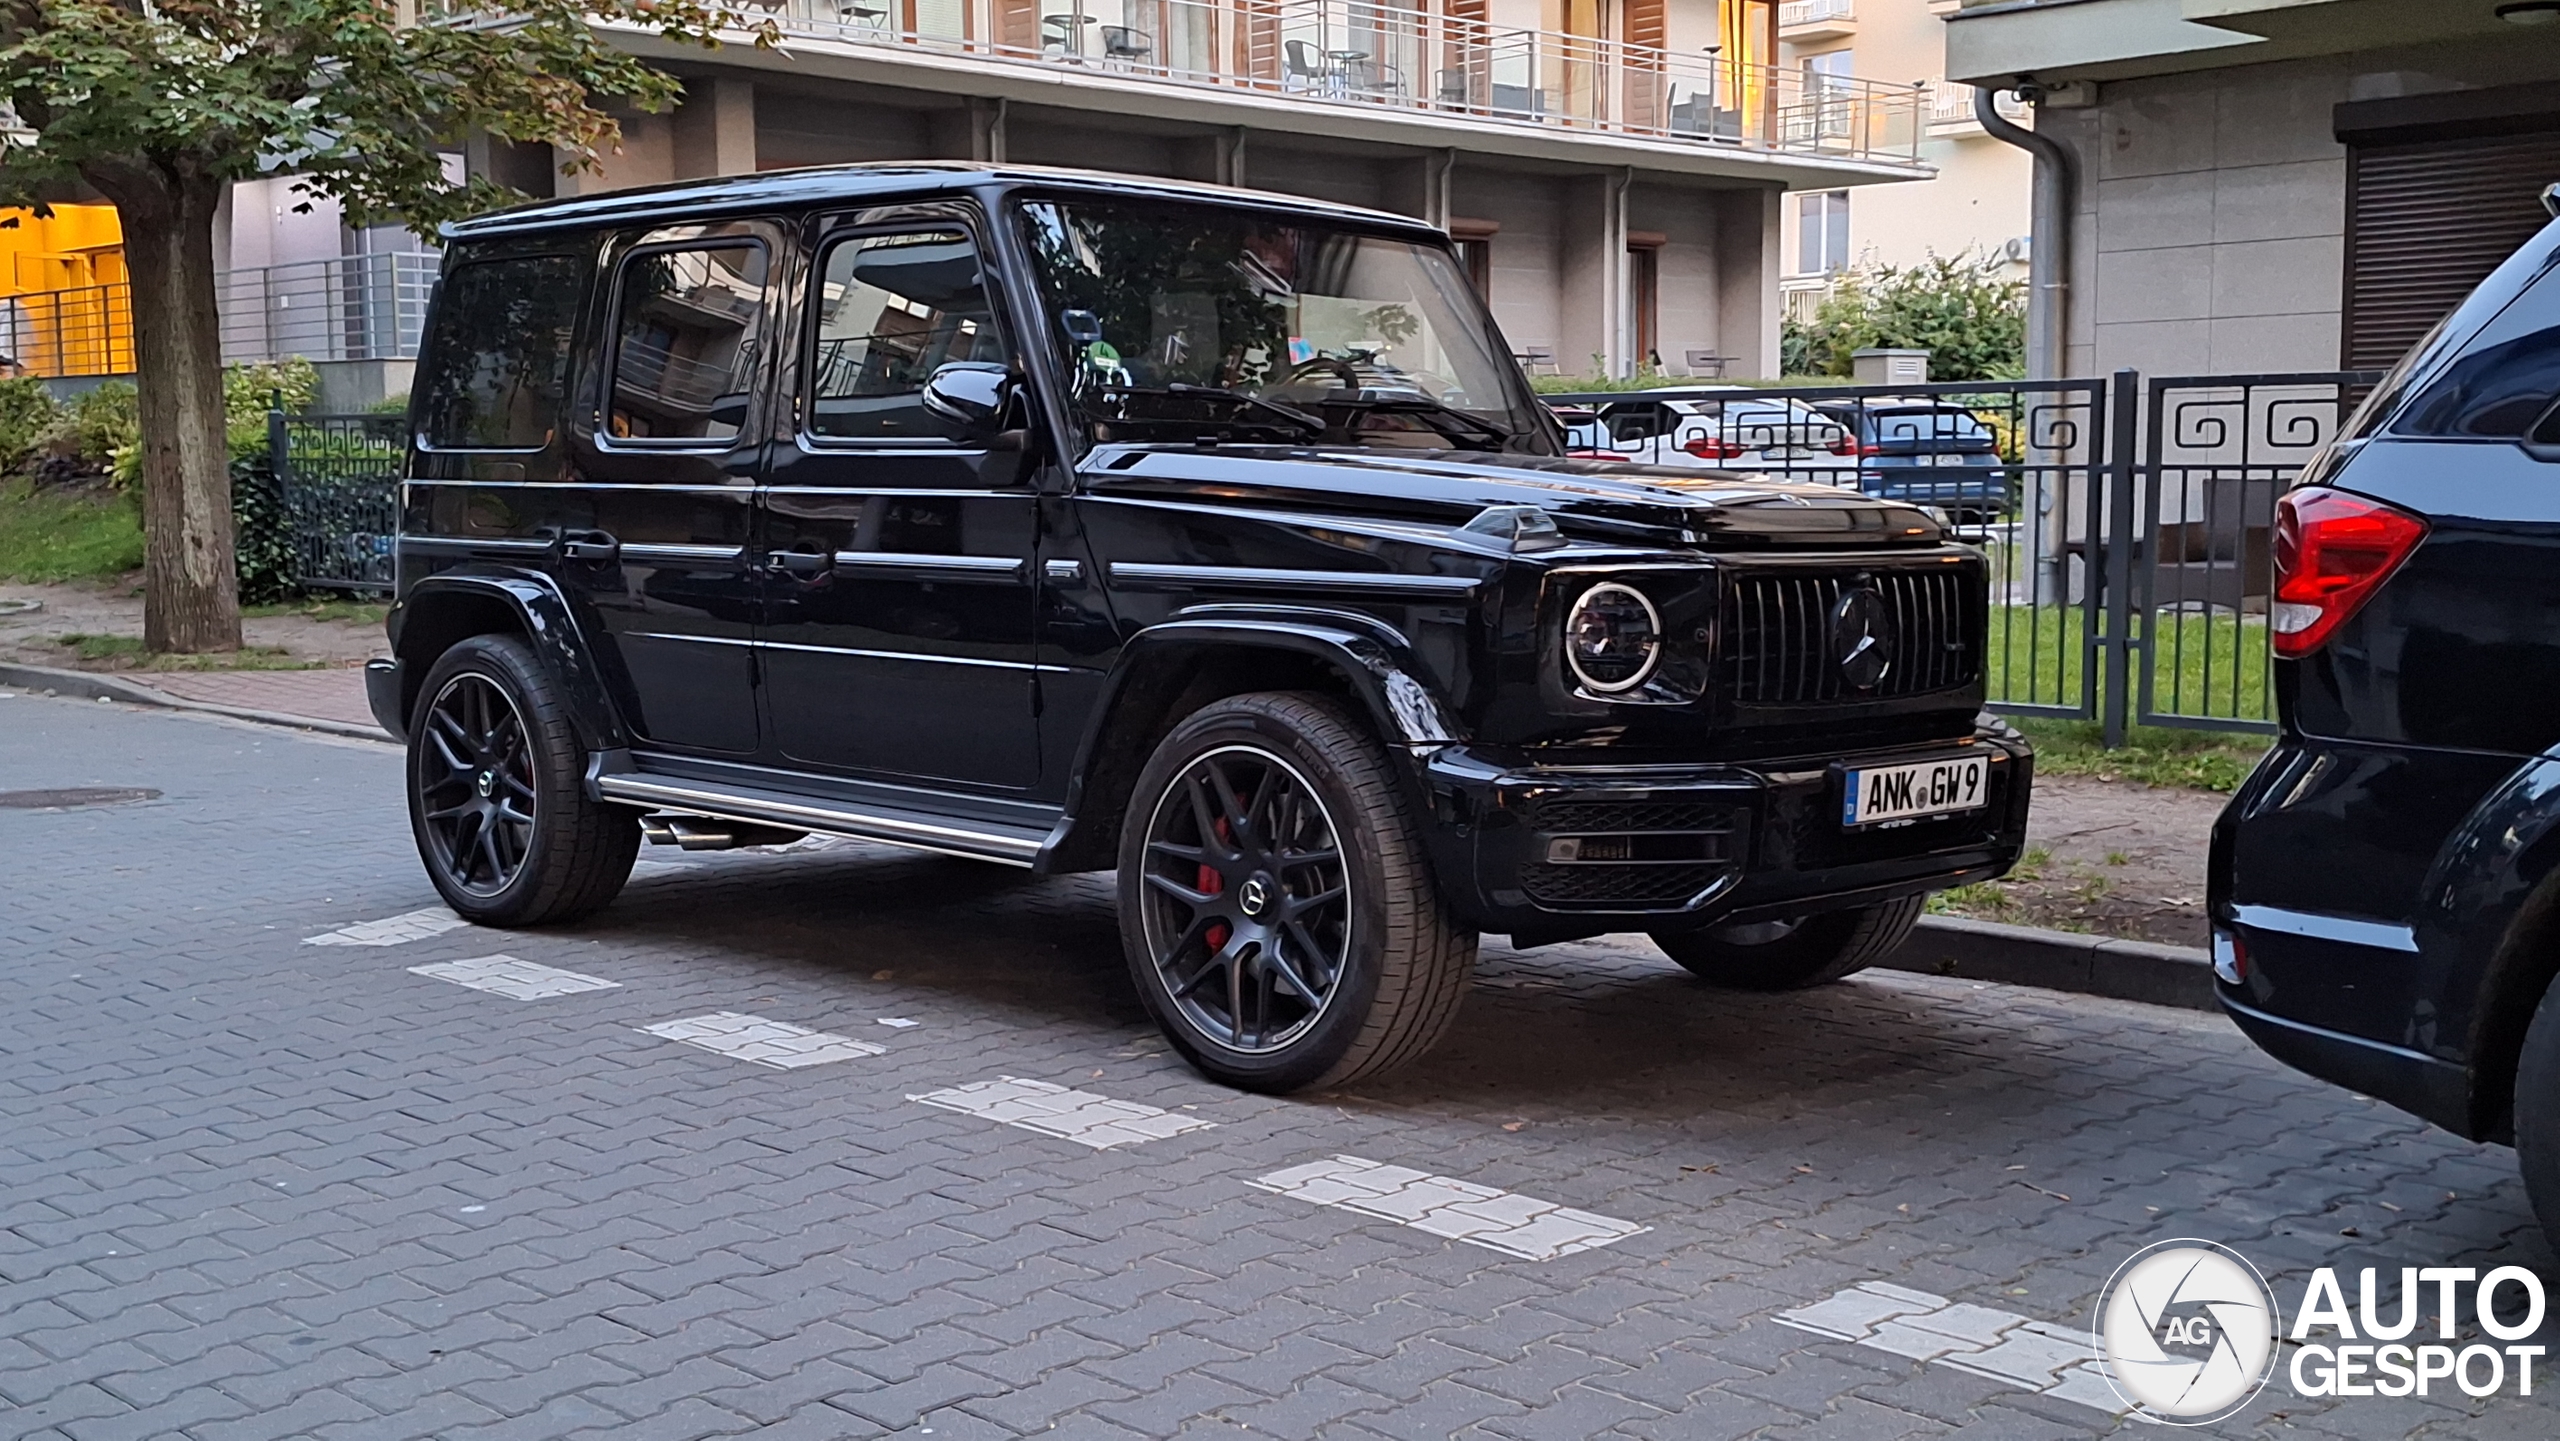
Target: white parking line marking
767, 1043
643, 869
391, 930
1996, 1345
1079, 1116
1504, 1221
514, 979
896, 1023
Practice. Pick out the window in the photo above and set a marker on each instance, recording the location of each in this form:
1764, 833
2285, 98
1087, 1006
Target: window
2502, 380
499, 360
1822, 233
891, 308
685, 339
1644, 298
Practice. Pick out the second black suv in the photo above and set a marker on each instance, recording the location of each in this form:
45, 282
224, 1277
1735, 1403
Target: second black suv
1075, 523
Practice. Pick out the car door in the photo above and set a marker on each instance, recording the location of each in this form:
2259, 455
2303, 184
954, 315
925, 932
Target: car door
900, 597
664, 460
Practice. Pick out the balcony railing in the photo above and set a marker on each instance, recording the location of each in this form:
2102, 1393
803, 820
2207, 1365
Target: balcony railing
1951, 105
352, 307
1808, 12
1366, 54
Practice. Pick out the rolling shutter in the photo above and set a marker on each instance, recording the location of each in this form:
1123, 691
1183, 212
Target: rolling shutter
2428, 221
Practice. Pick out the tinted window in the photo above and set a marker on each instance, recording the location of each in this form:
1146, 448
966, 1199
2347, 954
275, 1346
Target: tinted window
891, 308
2492, 393
499, 361
686, 327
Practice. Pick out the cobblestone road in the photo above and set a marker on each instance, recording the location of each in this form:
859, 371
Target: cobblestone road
846, 1142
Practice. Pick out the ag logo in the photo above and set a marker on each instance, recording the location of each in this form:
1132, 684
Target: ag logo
2186, 1332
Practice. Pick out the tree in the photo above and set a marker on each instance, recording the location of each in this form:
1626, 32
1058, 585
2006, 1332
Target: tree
160, 106
1971, 320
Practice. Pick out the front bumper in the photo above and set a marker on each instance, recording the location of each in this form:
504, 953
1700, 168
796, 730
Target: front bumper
1705, 843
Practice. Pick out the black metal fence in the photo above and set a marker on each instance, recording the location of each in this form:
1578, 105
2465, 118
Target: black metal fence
2126, 520
339, 476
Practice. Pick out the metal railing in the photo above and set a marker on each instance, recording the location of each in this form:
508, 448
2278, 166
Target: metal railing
1807, 12
339, 476
352, 307
1364, 53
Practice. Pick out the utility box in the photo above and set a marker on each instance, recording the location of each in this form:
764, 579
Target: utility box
1881, 366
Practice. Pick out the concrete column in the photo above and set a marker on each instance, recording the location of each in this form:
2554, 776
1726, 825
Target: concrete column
1747, 260
1437, 169
986, 130
715, 128
1230, 156
1596, 318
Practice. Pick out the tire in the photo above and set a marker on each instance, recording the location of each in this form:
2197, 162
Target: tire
1289, 936
1812, 951
497, 794
2537, 1106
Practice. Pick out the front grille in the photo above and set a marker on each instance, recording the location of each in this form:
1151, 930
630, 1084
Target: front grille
1778, 647
1648, 886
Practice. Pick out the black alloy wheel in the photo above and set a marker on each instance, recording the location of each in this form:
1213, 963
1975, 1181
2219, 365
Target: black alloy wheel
1248, 911
497, 793
1278, 911
475, 778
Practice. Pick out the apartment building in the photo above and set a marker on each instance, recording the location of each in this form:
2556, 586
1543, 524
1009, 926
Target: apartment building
1977, 201
1617, 170
2277, 185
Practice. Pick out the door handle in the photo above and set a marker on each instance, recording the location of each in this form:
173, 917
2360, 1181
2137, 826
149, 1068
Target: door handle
589, 545
801, 562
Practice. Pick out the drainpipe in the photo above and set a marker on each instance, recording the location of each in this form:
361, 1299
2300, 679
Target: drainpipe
2049, 263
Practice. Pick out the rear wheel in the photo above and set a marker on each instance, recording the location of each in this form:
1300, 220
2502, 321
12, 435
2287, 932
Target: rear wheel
2538, 1113
496, 797
1789, 955
1279, 918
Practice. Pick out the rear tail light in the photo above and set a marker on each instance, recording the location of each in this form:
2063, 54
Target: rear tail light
1848, 445
2332, 552
1707, 447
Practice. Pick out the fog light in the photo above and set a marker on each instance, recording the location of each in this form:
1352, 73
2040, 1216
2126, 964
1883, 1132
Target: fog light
1564, 850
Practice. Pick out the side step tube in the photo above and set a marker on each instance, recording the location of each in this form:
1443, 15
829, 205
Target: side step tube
911, 829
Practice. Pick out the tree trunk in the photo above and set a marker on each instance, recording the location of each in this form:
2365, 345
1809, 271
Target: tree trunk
191, 593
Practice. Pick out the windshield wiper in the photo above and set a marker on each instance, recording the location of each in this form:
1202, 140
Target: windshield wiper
1421, 404
1312, 425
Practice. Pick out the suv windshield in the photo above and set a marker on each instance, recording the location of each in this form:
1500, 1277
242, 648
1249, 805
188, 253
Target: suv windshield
1193, 324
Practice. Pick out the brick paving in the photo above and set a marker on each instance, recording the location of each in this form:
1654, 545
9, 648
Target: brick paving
254, 1188
336, 694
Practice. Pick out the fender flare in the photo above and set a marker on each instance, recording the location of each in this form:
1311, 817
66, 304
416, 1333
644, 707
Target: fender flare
453, 605
2491, 910
1375, 660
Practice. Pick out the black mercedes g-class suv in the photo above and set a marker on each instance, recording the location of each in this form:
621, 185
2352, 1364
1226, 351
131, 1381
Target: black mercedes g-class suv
1078, 522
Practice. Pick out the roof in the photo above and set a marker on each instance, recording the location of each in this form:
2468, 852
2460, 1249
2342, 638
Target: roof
835, 184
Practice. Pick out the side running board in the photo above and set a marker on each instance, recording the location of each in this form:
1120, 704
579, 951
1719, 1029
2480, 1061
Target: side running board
975, 839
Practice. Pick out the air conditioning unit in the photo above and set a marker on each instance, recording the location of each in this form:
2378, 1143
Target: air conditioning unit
2018, 249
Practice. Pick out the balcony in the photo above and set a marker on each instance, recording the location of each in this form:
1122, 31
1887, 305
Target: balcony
1801, 20
1951, 110
1364, 56
352, 307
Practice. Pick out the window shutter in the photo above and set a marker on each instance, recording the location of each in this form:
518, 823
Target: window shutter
2428, 221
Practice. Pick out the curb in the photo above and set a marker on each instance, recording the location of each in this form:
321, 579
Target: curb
88, 685
2158, 975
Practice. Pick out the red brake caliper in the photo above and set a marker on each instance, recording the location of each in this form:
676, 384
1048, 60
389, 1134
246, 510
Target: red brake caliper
1211, 883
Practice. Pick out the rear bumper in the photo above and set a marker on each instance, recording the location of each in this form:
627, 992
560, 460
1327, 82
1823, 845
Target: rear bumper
1708, 843
382, 686
2422, 1085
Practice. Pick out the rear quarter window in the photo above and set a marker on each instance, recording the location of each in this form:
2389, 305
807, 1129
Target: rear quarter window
497, 363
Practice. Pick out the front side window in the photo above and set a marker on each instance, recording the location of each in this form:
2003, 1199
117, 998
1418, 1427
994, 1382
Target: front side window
687, 323
1200, 324
498, 363
891, 310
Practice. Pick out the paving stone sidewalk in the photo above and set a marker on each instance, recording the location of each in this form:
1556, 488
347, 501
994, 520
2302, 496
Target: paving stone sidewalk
251, 1187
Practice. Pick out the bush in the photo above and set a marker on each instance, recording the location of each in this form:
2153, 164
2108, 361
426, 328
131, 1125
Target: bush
1971, 320
104, 426
28, 416
261, 531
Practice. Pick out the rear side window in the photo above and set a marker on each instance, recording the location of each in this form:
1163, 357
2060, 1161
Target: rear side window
2502, 381
498, 364
688, 322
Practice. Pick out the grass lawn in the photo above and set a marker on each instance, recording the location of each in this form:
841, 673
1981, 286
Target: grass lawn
62, 533
94, 648
324, 607
2207, 665
2153, 755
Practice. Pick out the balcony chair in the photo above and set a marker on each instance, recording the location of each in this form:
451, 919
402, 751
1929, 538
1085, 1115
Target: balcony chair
1121, 42
1299, 69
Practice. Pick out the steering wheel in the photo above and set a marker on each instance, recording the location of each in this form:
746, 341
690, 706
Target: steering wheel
1341, 370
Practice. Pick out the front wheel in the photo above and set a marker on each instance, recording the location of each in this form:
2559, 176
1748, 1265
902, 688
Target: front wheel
1789, 955
496, 797
1279, 917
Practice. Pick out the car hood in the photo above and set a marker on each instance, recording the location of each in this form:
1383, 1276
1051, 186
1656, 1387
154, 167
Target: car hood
1589, 499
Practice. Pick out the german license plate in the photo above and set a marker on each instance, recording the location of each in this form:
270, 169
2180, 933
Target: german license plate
1879, 794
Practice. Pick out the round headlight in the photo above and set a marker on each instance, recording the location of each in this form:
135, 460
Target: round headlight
1612, 638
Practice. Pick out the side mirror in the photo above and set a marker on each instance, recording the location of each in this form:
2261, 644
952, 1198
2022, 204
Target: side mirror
970, 394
